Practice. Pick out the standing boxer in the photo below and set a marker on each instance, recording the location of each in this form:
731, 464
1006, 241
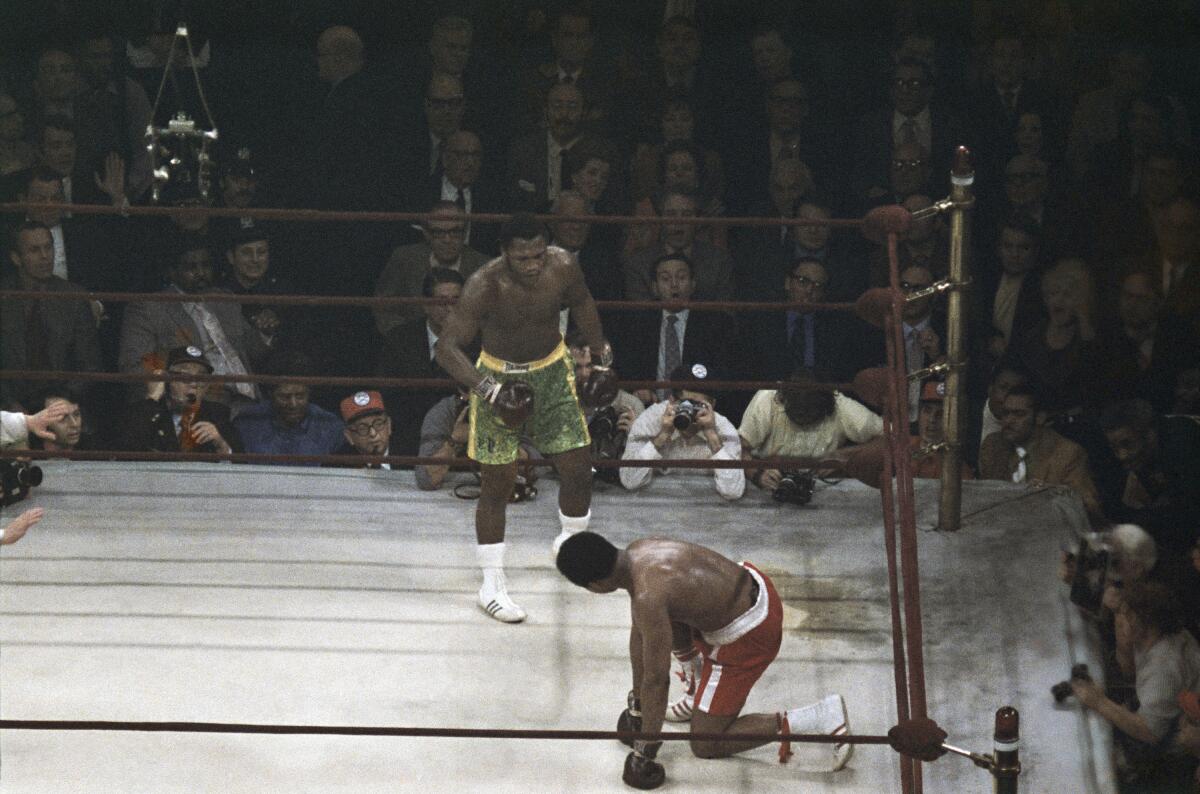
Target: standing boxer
688, 599
524, 379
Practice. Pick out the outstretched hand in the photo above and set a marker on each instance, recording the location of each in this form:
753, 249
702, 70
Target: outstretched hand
21, 524
39, 423
113, 182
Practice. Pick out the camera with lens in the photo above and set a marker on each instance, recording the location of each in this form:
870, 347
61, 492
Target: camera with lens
795, 487
16, 478
686, 412
608, 441
1093, 561
1062, 690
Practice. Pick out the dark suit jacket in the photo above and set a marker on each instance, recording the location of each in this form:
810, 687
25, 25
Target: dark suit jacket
750, 165
1176, 347
993, 125
147, 426
528, 172
636, 342
843, 345
872, 144
404, 274
406, 354
486, 197
68, 329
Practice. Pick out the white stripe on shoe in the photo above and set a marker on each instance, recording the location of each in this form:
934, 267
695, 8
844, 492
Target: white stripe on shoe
710, 689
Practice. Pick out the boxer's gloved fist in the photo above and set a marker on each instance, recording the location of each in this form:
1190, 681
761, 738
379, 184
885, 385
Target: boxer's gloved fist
513, 402
599, 389
631, 718
641, 770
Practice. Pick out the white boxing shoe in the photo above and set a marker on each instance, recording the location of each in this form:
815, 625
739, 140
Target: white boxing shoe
827, 716
680, 710
497, 604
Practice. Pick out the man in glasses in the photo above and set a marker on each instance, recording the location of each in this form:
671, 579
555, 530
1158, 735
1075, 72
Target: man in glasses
368, 429
911, 116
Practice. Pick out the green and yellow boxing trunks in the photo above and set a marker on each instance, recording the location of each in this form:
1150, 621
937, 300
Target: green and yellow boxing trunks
556, 424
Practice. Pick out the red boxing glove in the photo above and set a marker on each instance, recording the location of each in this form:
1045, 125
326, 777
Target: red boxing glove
599, 389
513, 403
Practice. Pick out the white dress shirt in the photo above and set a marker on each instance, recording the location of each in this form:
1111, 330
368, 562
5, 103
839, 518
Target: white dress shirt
730, 483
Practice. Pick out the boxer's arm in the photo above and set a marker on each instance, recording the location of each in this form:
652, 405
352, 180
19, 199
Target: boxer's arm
583, 309
654, 624
459, 330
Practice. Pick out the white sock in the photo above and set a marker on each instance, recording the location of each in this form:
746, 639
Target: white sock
573, 524
490, 557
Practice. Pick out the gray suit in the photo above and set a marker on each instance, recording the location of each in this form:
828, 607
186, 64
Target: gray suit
404, 275
69, 337
150, 327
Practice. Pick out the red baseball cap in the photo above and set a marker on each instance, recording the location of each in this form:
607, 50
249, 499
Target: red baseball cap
362, 403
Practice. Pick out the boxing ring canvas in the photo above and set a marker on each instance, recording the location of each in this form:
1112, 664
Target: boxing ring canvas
207, 592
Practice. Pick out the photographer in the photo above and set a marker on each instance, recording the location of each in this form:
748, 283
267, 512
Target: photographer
804, 419
609, 424
1166, 661
685, 427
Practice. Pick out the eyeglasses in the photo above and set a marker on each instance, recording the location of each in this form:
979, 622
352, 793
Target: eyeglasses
805, 281
911, 83
909, 286
367, 429
471, 154
907, 165
445, 233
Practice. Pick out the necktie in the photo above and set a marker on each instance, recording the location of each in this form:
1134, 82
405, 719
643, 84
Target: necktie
908, 131
810, 343
461, 199
1019, 474
227, 361
671, 351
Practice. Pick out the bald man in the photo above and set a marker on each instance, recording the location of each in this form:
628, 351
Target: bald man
339, 54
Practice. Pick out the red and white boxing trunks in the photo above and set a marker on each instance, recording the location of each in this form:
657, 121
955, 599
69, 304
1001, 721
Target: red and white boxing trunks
736, 656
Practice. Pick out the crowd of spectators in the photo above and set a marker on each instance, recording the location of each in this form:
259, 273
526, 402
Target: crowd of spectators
1084, 308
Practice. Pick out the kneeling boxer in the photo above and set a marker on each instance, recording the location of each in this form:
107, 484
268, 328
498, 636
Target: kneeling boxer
687, 597
523, 382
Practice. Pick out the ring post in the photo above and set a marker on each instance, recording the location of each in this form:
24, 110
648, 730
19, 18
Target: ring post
962, 177
1006, 763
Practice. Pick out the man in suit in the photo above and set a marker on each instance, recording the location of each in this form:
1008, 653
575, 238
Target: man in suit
444, 105
1177, 259
711, 267
1006, 93
572, 40
461, 184
404, 274
37, 334
773, 345
654, 342
790, 134
175, 417
408, 350
1026, 451
597, 259
909, 117
219, 330
535, 161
